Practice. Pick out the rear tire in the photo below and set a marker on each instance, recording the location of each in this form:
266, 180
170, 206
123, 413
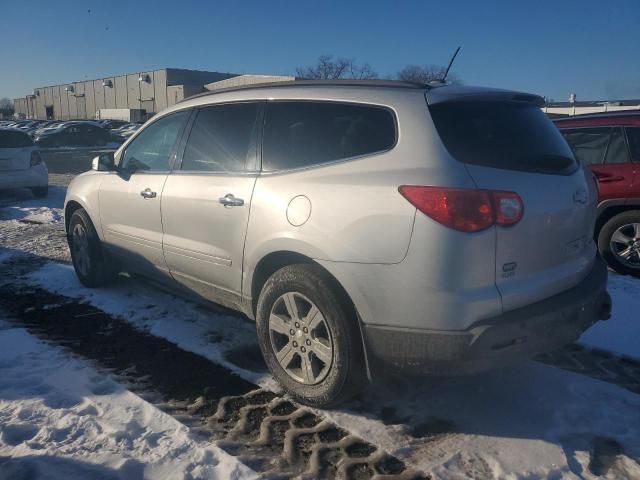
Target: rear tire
40, 192
336, 372
89, 261
619, 242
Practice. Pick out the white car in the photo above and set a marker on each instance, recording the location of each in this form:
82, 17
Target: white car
21, 165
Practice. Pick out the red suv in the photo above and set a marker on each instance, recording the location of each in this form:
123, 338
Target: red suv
609, 143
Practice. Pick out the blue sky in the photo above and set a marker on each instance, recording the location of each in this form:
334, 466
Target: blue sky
547, 47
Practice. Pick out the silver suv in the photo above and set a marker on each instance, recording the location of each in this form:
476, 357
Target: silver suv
361, 224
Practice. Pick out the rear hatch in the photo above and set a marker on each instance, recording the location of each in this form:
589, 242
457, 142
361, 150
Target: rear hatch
15, 150
507, 143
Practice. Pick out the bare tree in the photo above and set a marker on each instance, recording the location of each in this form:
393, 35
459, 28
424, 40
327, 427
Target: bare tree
426, 74
328, 68
6, 106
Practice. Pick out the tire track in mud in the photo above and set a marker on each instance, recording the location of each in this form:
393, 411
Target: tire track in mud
269, 433
596, 363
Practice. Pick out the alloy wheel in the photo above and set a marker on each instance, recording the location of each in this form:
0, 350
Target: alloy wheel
80, 249
300, 338
625, 245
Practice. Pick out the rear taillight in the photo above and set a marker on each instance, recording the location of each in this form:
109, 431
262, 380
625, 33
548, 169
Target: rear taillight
508, 207
36, 159
466, 209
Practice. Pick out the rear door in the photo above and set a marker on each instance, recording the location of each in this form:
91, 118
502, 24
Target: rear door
15, 150
206, 202
511, 145
604, 151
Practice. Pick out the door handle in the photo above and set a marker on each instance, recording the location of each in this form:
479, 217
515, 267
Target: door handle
147, 193
230, 201
610, 179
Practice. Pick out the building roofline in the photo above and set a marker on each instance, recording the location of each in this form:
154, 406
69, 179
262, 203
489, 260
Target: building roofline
122, 75
587, 116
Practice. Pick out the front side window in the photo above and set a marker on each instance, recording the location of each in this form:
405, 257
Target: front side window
300, 134
617, 151
152, 150
589, 144
222, 138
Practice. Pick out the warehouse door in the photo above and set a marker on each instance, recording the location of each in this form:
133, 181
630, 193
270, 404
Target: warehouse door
49, 112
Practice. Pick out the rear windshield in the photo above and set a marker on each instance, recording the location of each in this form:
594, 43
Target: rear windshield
504, 135
9, 139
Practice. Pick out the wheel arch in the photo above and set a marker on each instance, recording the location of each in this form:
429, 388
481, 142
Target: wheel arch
610, 208
75, 204
274, 261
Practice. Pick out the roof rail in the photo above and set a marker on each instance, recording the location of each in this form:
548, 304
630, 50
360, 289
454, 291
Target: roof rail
317, 83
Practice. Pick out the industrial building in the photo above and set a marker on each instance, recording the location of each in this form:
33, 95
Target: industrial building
151, 91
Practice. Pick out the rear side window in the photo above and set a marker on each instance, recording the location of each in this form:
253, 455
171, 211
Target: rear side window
300, 134
505, 135
633, 135
222, 138
589, 144
9, 139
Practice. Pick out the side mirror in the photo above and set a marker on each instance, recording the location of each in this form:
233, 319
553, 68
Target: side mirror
103, 163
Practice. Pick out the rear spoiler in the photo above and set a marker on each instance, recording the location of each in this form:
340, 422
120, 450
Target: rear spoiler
451, 94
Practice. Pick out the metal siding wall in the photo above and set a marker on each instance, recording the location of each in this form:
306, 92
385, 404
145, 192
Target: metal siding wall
121, 92
31, 105
90, 101
81, 101
57, 106
133, 90
110, 94
174, 94
73, 102
48, 101
64, 102
98, 91
41, 112
160, 89
147, 93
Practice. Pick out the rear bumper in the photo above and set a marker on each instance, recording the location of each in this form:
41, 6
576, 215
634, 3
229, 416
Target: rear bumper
37, 176
522, 333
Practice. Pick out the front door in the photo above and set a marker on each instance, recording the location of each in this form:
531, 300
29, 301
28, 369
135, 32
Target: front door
130, 198
206, 202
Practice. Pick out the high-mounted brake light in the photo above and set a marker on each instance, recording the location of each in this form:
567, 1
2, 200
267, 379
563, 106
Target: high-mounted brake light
466, 209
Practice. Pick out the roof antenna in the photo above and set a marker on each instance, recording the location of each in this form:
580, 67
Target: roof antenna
446, 72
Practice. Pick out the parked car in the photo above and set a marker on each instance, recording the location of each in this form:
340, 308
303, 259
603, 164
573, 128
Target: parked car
71, 134
609, 144
21, 165
124, 132
361, 224
112, 124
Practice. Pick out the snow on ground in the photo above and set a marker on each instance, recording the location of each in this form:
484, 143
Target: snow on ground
620, 334
531, 421
34, 210
60, 419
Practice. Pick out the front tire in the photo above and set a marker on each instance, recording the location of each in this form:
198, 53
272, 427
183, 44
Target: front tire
87, 254
40, 192
619, 242
309, 336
